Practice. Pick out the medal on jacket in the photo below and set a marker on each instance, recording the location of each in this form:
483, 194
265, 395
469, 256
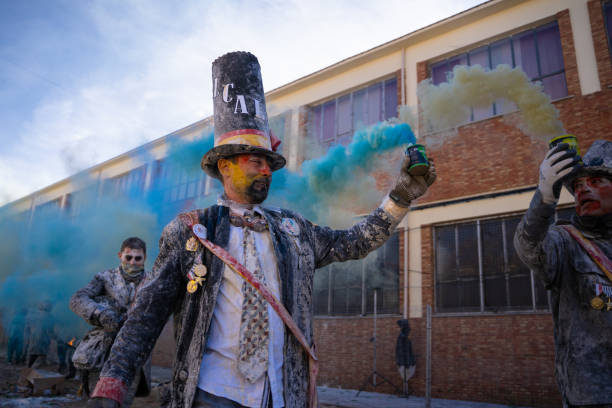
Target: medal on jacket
199, 270
192, 286
196, 277
191, 244
597, 302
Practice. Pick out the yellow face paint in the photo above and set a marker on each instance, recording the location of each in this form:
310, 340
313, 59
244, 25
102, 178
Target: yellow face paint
247, 179
239, 179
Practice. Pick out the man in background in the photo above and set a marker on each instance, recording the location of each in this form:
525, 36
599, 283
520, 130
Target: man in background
104, 303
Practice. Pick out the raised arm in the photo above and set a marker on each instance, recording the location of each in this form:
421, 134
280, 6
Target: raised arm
372, 232
538, 246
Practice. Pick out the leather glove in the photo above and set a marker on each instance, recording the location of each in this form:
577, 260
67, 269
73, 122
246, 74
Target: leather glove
102, 403
111, 320
408, 188
559, 162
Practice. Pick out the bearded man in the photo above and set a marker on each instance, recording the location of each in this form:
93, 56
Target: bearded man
103, 303
571, 260
232, 347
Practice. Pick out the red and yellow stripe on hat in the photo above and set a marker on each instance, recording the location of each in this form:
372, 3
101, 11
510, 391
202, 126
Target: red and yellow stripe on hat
250, 137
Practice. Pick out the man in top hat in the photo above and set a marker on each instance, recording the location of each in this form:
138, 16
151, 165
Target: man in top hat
232, 348
580, 280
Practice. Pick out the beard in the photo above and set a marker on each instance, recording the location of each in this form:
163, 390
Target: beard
257, 192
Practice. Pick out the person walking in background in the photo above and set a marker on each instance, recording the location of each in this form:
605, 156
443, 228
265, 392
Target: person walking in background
15, 350
39, 332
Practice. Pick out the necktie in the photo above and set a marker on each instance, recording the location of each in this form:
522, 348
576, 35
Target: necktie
251, 221
254, 324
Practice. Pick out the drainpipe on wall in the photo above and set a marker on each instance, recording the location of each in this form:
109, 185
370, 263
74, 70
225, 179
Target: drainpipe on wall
403, 87
406, 286
403, 75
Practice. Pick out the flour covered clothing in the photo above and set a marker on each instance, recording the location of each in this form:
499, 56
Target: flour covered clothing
299, 248
110, 289
583, 334
219, 374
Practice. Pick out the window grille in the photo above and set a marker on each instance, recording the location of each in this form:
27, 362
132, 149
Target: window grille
48, 209
347, 288
536, 51
335, 121
477, 269
126, 184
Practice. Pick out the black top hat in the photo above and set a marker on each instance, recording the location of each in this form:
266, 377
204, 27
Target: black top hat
241, 121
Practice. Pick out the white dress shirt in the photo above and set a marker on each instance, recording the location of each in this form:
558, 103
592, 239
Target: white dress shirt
219, 373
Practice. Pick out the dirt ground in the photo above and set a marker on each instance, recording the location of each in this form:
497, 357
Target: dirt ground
14, 396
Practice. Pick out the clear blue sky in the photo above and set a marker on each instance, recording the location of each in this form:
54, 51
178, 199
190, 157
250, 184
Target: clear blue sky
82, 81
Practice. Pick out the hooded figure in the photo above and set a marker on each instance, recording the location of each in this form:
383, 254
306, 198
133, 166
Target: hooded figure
581, 288
15, 349
39, 333
404, 357
232, 348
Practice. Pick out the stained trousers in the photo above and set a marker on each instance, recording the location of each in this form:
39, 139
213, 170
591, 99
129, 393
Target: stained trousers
206, 400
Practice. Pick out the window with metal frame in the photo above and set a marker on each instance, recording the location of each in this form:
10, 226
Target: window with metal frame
177, 184
477, 269
129, 183
48, 209
536, 51
347, 288
335, 121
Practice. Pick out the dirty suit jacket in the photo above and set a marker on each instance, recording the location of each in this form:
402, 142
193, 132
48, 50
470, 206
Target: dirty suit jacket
583, 335
108, 290
298, 254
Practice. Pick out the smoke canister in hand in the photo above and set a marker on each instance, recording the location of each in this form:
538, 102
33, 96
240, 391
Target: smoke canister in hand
418, 160
568, 139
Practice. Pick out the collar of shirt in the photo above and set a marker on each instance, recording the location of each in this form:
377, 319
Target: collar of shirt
239, 208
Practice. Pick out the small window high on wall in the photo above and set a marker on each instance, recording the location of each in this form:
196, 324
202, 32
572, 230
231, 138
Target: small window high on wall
477, 269
335, 121
536, 51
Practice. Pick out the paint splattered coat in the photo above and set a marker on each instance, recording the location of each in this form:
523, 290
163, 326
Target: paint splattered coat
107, 289
583, 335
165, 292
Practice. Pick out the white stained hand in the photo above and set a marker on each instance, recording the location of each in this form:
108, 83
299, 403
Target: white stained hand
553, 168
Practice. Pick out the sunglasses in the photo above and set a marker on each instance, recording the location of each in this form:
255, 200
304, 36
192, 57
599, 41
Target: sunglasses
137, 258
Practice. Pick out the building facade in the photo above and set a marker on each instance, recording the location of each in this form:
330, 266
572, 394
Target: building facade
491, 328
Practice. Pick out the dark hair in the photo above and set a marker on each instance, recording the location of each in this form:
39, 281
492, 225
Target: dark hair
134, 243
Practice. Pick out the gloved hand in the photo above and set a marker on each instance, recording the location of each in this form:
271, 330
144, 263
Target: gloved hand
102, 403
559, 162
111, 320
410, 187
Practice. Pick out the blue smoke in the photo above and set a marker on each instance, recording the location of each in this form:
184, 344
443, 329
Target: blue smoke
55, 254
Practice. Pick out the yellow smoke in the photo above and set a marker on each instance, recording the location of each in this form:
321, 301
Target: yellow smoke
447, 105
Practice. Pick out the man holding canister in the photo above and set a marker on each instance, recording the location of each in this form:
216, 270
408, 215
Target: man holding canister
238, 276
574, 261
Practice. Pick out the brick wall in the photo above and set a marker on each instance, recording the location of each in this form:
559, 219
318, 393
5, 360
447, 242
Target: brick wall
505, 358
600, 41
